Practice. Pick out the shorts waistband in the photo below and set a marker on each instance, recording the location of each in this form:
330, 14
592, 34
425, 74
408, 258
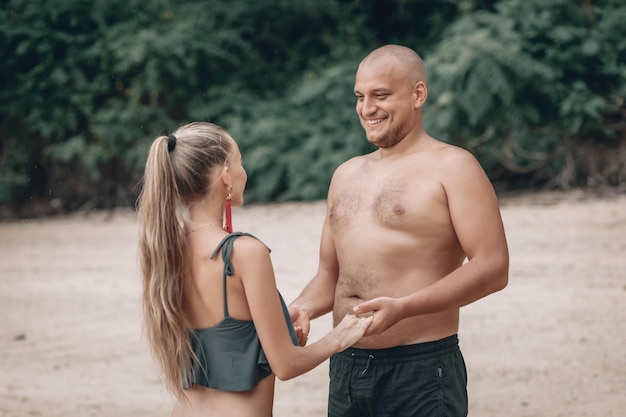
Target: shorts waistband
418, 350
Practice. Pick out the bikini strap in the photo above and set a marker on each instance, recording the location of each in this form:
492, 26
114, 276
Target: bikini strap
226, 245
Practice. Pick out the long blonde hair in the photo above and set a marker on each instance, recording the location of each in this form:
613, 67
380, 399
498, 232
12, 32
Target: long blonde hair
178, 172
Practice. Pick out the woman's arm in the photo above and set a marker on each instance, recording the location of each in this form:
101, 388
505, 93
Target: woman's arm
254, 267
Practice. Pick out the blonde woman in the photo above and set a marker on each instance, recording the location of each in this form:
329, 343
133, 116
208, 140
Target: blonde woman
215, 321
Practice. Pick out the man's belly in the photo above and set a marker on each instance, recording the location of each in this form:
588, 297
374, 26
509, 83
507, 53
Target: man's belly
388, 263
409, 331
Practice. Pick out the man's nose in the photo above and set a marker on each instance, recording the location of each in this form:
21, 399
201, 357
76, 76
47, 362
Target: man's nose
368, 106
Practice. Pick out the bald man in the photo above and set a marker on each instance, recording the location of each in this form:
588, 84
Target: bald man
412, 233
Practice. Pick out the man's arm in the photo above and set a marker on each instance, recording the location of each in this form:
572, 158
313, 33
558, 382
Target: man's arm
475, 216
318, 297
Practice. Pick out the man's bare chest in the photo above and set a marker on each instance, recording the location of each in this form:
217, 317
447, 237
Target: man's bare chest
390, 201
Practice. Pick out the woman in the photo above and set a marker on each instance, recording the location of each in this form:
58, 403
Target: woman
215, 321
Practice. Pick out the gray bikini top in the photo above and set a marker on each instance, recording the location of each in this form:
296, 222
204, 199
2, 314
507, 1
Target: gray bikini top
230, 356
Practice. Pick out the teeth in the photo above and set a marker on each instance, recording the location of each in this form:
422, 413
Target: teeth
374, 122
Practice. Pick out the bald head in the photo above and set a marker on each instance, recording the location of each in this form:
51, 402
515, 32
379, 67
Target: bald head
390, 86
401, 58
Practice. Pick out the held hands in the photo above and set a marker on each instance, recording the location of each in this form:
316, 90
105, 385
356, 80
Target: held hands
385, 311
370, 318
350, 330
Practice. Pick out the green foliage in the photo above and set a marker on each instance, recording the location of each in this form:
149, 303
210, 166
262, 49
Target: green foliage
520, 85
585, 47
91, 83
479, 77
294, 156
85, 85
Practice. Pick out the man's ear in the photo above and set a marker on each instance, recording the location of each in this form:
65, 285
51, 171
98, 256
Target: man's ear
420, 92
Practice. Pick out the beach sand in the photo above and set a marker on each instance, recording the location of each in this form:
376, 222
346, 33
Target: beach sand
551, 344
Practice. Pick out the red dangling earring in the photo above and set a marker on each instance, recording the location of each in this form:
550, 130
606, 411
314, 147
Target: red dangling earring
229, 217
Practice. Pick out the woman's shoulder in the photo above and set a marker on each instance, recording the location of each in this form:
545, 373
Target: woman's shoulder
248, 244
251, 257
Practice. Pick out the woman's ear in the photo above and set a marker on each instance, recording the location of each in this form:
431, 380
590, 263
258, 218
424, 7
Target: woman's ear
225, 177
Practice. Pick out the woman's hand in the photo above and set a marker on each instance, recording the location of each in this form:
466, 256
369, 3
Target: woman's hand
386, 311
350, 330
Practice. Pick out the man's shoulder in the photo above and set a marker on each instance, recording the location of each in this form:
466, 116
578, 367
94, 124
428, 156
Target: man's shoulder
448, 153
457, 165
353, 163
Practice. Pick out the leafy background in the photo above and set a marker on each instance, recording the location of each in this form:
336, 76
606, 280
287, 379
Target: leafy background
534, 88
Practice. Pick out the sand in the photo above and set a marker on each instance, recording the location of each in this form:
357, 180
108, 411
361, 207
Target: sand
553, 343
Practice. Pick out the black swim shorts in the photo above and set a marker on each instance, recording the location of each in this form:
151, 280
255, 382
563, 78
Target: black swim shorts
422, 380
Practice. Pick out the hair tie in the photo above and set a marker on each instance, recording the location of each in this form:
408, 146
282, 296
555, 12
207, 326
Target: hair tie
171, 143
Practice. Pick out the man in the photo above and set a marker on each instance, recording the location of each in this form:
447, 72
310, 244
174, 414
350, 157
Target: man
413, 232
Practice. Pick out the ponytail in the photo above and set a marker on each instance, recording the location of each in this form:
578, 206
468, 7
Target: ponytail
177, 172
162, 246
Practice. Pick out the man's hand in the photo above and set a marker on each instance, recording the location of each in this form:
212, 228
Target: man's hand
301, 323
386, 312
